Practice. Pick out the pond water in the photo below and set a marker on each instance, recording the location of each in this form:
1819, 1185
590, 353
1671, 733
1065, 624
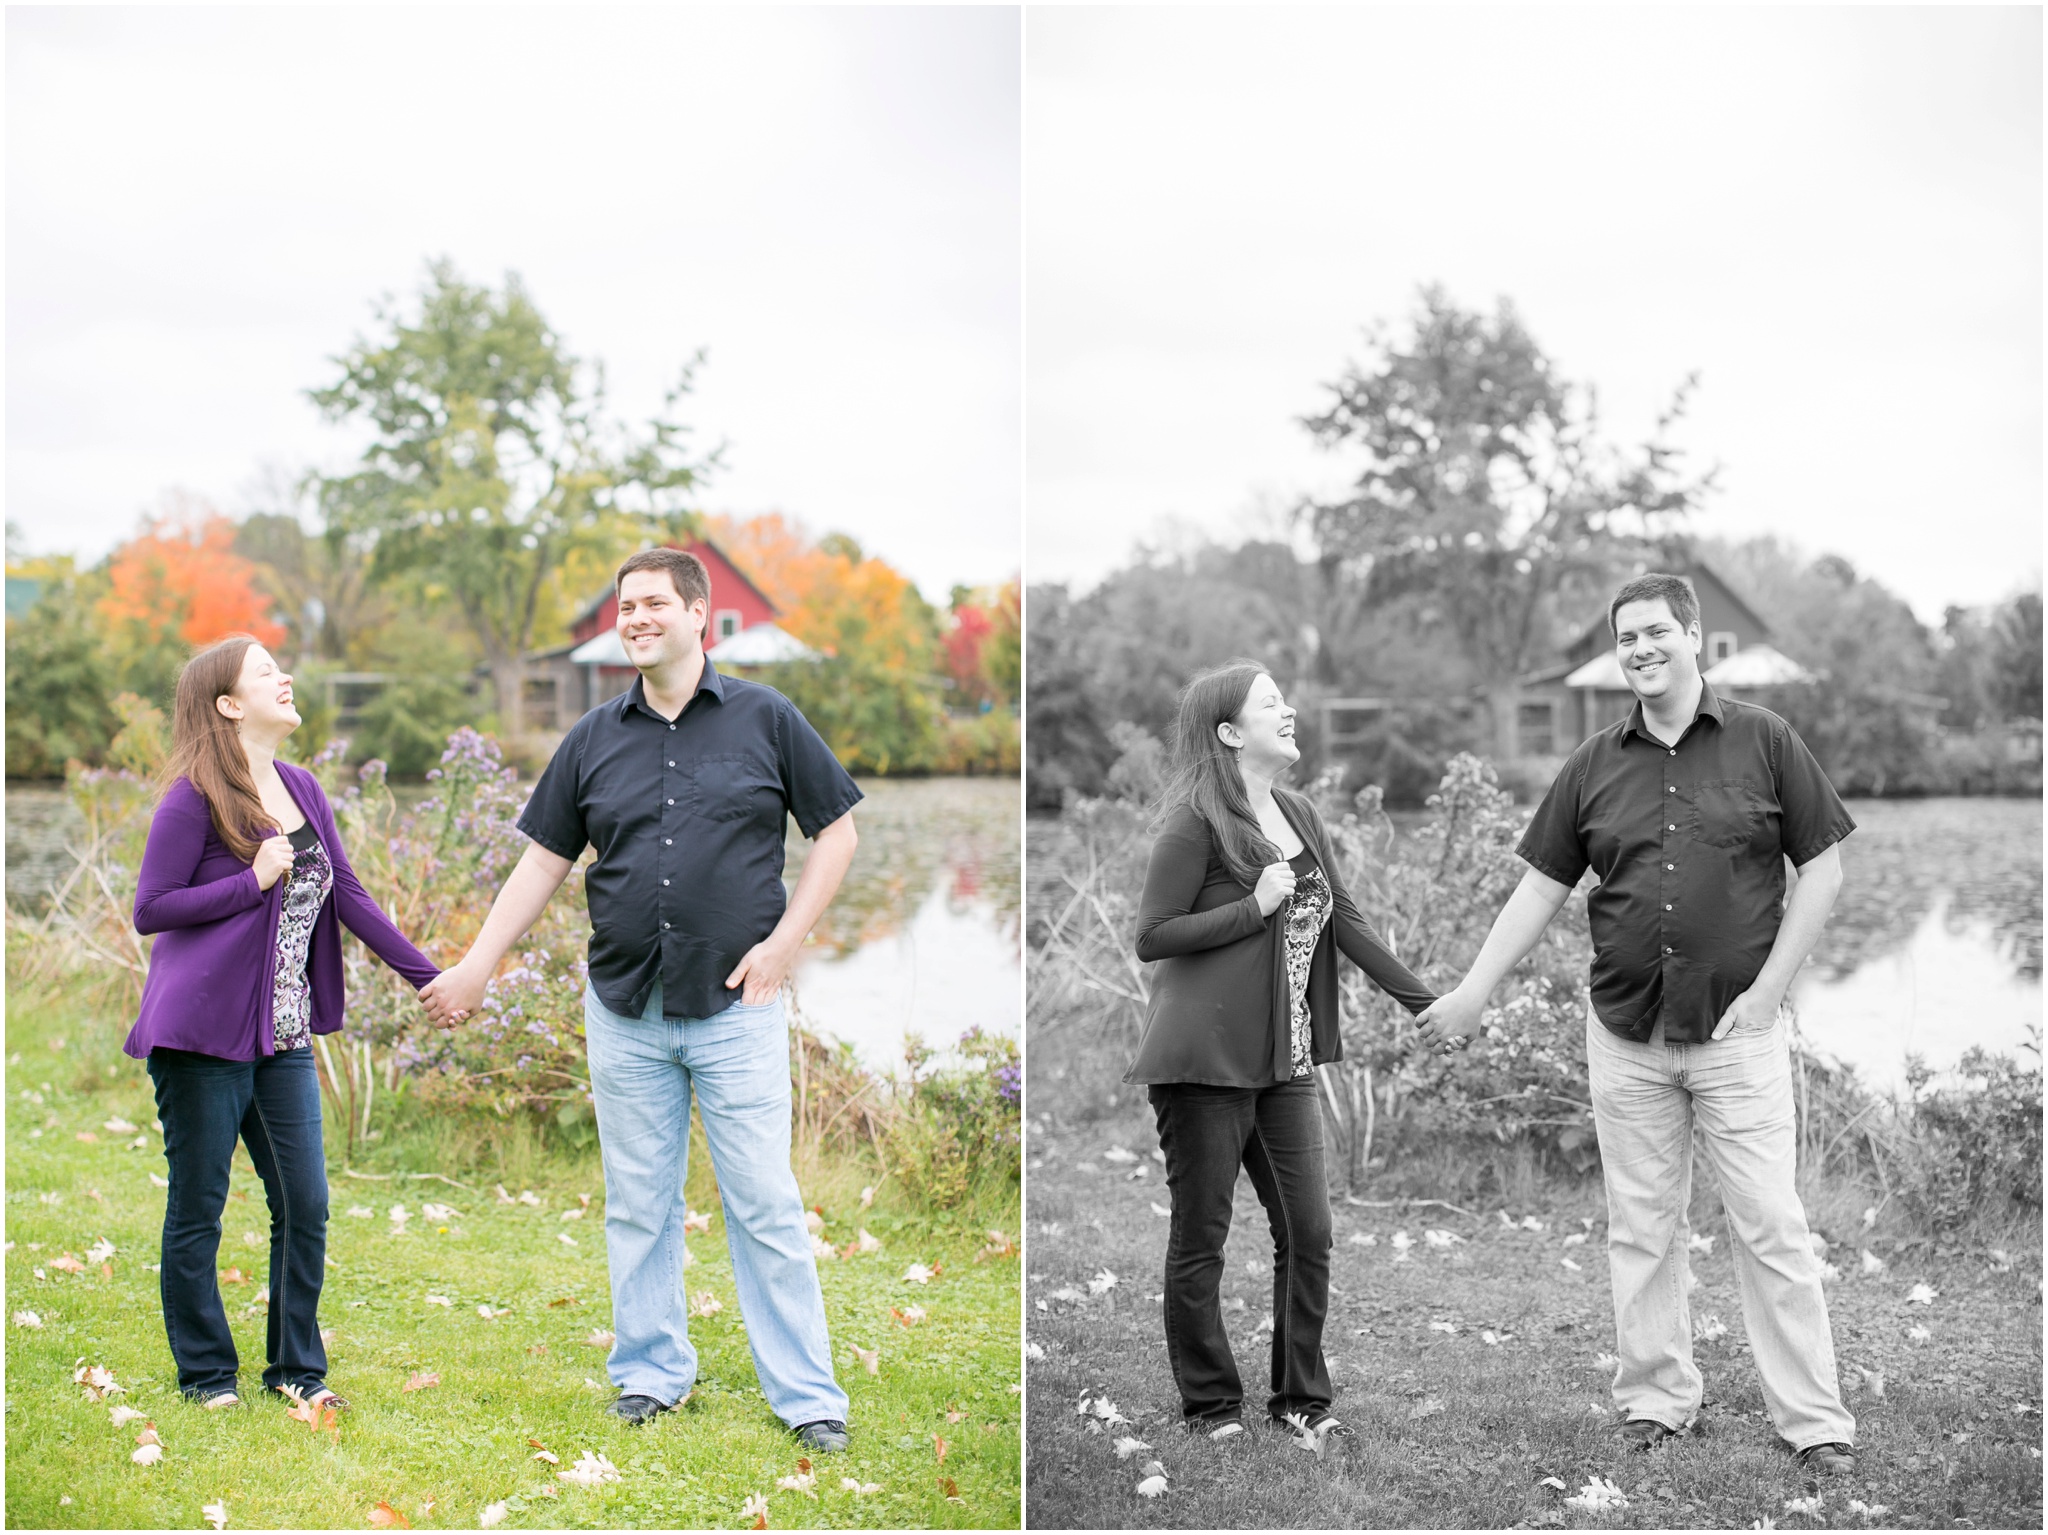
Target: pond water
922, 938
1935, 942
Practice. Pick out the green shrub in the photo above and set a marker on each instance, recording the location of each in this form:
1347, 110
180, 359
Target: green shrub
407, 725
956, 1130
1975, 1141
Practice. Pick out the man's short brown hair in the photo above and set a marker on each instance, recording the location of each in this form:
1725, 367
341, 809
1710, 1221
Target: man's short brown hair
1675, 592
685, 572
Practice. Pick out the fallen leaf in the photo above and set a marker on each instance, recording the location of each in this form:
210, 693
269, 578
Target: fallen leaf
100, 1251
909, 1316
1918, 1334
1449, 1327
1103, 1282
1034, 1351
119, 1127
565, 1239
870, 1358
385, 1517
1872, 1263
1921, 1295
1551, 1481
697, 1220
1574, 1239
215, 1513
438, 1213
572, 1215
439, 1300
867, 1196
917, 1273
1128, 1446
360, 1212
149, 1435
421, 1380
159, 1180
1874, 1381
999, 1246
1152, 1487
27, 1319
1438, 1238
68, 1263
490, 1315
949, 1490
1810, 1505
505, 1198
1709, 1329
148, 1454
1119, 1154
400, 1215
494, 1513
1569, 1264
549, 1456
1428, 1407
233, 1276
1166, 1213
121, 1415
756, 1509
528, 1197
802, 1482
1599, 1496
88, 1137
1700, 1242
706, 1304
857, 1488
566, 1300
601, 1337
940, 1446
590, 1470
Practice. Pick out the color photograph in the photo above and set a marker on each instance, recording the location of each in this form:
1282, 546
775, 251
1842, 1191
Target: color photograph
513, 681
1533, 758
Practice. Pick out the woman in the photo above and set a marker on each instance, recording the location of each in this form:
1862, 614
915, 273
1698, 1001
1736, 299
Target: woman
1244, 910
246, 884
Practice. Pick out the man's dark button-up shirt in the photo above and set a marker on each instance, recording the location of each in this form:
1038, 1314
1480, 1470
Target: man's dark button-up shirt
687, 816
1689, 842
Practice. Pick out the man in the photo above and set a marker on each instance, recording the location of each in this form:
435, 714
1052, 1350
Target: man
1687, 812
682, 785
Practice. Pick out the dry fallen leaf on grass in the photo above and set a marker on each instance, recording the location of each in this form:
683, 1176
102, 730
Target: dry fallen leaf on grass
1165, 1212
1152, 1487
159, 1180
385, 1517
1872, 1263
494, 1513
215, 1513
1449, 1327
1599, 1496
917, 1273
1034, 1351
233, 1276
100, 1251
802, 1482
549, 1456
1810, 1505
491, 1315
590, 1470
399, 1215
601, 1337
704, 1303
148, 1454
149, 1435
420, 1380
565, 1239
857, 1488
1128, 1446
528, 1197
939, 1447
1700, 1242
88, 1137
122, 1415
68, 1262
696, 1220
1119, 1154
97, 1379
505, 1199
1428, 1407
1440, 1238
572, 1215
119, 1126
27, 1319
909, 1316
1874, 1381
1921, 1295
438, 1213
870, 1358
755, 1509
1918, 1334
1551, 1481
1569, 1264
1574, 1239
1709, 1329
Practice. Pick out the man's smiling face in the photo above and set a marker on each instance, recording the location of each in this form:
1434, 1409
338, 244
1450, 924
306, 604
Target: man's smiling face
1658, 657
655, 626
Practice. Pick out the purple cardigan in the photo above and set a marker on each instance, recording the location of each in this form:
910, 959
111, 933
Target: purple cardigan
211, 974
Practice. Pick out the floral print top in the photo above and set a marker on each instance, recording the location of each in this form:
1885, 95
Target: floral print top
1308, 911
306, 885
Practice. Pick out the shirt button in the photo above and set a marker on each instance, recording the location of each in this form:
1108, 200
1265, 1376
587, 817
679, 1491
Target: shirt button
1673, 752
1668, 865
1672, 827
671, 802
1666, 908
665, 928
1667, 947
668, 841
1673, 789
671, 764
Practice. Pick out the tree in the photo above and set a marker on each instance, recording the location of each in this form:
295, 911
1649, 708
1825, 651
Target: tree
494, 461
2015, 672
58, 686
1487, 490
178, 584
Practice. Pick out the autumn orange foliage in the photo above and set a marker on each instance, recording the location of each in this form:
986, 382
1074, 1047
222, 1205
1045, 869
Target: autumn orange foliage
180, 576
830, 595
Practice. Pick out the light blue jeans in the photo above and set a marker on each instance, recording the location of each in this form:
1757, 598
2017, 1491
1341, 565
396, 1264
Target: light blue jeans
1646, 1100
643, 1072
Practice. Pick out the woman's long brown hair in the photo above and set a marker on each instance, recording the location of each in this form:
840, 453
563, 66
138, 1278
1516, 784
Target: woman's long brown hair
1205, 775
206, 749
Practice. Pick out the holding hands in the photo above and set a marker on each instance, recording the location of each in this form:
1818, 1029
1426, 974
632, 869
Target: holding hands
1448, 1023
455, 993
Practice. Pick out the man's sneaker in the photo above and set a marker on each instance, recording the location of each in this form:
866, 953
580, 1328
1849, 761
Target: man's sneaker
1215, 1428
1833, 1459
1643, 1433
637, 1409
827, 1436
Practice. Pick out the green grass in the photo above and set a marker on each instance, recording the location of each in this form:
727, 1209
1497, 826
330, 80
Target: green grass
1454, 1432
529, 1374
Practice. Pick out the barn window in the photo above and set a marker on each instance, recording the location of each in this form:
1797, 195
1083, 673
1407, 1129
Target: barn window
727, 623
1721, 644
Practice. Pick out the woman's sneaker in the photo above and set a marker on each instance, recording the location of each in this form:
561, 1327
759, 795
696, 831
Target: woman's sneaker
1217, 1429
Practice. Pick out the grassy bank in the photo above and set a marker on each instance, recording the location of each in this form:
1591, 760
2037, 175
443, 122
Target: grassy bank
1459, 1430
440, 1455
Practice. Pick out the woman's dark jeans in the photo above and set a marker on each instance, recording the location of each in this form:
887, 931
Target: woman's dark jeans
1276, 1135
272, 1103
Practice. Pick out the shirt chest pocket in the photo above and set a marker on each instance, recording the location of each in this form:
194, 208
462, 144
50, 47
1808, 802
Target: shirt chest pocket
727, 787
1726, 812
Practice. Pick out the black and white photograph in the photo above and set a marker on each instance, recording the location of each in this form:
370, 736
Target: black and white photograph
1533, 765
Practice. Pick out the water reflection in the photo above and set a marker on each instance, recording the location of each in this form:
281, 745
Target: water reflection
923, 936
1935, 943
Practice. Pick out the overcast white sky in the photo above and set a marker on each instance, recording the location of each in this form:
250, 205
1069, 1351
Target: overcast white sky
204, 203
1833, 214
